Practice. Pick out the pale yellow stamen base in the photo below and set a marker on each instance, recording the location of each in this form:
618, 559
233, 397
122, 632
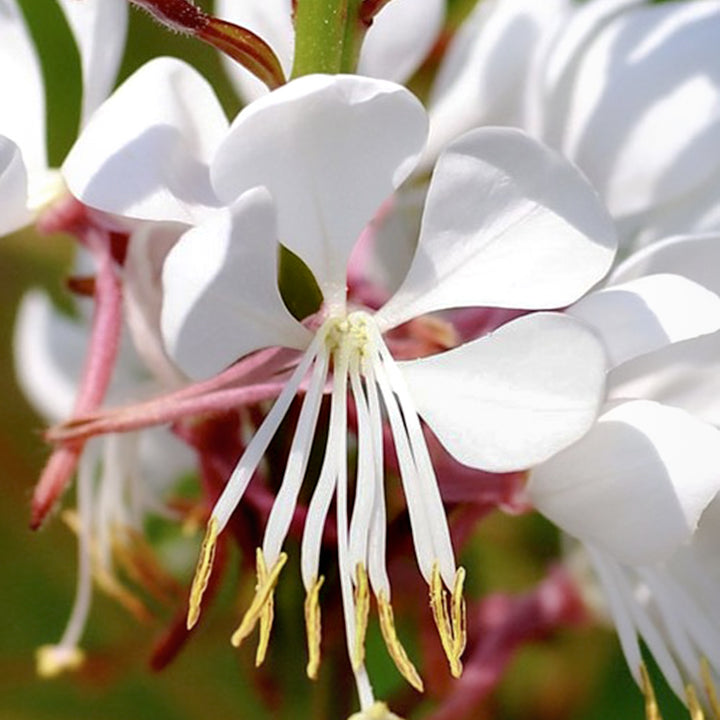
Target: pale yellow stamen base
395, 648
202, 572
53, 660
314, 627
262, 607
694, 707
450, 617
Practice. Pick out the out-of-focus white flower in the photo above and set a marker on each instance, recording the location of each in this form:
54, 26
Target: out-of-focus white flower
633, 489
629, 91
27, 183
506, 223
399, 39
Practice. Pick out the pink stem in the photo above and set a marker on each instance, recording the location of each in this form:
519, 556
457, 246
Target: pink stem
96, 374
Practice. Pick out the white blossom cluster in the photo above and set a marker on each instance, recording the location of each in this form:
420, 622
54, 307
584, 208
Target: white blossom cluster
564, 167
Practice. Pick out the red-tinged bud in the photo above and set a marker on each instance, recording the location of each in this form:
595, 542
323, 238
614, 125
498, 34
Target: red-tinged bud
55, 477
251, 51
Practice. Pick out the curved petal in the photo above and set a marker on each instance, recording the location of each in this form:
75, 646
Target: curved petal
22, 88
636, 484
49, 350
145, 152
513, 398
696, 257
648, 313
99, 28
14, 212
400, 38
272, 21
483, 76
683, 375
643, 115
329, 149
507, 223
221, 299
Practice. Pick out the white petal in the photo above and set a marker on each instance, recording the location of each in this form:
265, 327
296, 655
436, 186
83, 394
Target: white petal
329, 149
145, 152
507, 223
683, 375
271, 20
649, 313
484, 72
99, 28
221, 297
513, 398
49, 350
400, 38
642, 119
636, 484
695, 257
14, 212
22, 88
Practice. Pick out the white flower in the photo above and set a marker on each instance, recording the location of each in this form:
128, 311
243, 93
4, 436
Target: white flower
27, 183
399, 39
633, 489
506, 223
625, 89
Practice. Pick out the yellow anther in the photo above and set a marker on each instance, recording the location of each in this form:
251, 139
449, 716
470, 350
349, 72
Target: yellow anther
263, 597
267, 615
314, 628
709, 687
202, 572
458, 615
52, 660
395, 648
694, 707
362, 612
379, 711
450, 622
652, 711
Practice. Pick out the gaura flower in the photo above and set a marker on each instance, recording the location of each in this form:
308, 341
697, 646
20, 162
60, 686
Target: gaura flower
635, 487
506, 223
27, 183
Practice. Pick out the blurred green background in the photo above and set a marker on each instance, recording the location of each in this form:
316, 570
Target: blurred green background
577, 675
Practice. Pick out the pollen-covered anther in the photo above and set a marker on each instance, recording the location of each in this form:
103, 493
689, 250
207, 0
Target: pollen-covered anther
395, 648
709, 687
52, 660
652, 711
362, 612
202, 572
261, 608
694, 707
450, 617
314, 627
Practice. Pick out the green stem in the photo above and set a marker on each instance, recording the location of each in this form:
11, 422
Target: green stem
319, 36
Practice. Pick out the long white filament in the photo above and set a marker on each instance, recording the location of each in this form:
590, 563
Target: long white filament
241, 475
435, 511
83, 595
284, 506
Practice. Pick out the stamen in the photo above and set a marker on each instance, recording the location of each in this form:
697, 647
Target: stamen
362, 611
450, 622
652, 711
378, 711
314, 627
709, 687
395, 648
694, 707
202, 572
263, 596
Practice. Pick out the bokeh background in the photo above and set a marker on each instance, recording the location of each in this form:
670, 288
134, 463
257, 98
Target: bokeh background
578, 674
